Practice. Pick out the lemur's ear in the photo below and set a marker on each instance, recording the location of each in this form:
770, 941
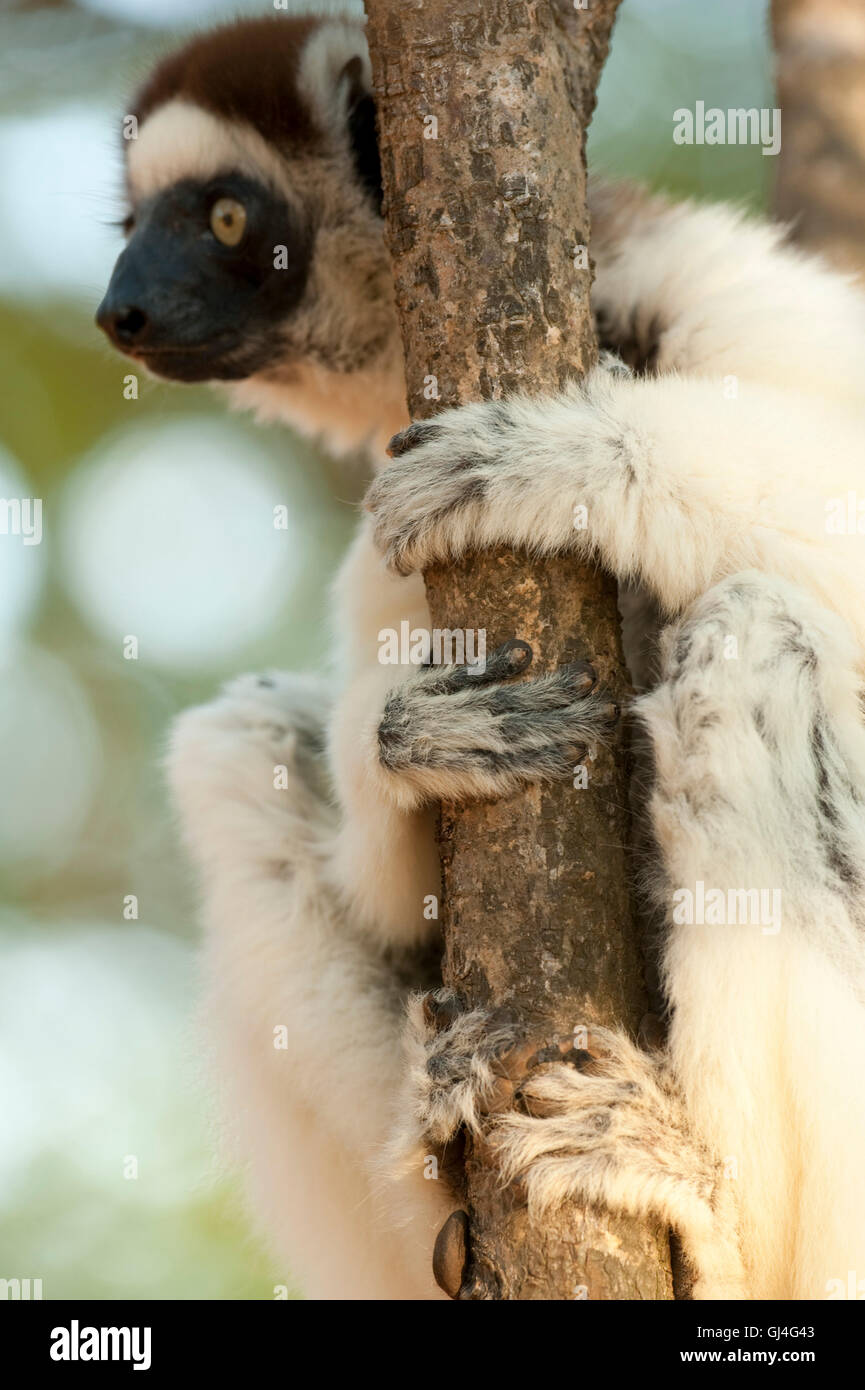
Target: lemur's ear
356, 100
351, 85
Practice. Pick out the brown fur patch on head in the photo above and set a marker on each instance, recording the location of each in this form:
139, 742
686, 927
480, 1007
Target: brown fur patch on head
245, 72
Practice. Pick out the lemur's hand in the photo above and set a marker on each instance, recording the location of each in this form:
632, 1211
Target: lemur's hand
454, 733
429, 503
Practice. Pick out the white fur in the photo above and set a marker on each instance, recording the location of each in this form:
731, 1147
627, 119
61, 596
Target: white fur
309, 1116
346, 412
325, 54
180, 140
713, 502
761, 1020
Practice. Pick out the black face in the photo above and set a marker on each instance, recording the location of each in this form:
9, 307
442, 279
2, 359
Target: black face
203, 284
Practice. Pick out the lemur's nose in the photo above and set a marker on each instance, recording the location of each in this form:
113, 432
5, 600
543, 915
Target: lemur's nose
125, 324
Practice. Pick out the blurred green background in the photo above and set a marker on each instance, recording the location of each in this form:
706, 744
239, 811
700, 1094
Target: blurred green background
157, 517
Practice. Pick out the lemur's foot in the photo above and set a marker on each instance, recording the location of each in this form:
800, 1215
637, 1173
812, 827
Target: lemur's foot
609, 1129
461, 1062
588, 1117
427, 503
254, 751
599, 1128
472, 1064
280, 706
460, 733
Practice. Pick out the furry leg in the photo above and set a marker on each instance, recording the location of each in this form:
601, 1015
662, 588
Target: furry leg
664, 481
758, 813
747, 1117
306, 1013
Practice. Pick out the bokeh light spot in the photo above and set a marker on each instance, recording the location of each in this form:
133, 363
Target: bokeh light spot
168, 536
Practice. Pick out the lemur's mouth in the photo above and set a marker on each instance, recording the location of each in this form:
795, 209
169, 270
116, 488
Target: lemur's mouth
183, 348
215, 346
221, 360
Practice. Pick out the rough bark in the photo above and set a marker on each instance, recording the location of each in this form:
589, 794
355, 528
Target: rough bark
486, 215
820, 74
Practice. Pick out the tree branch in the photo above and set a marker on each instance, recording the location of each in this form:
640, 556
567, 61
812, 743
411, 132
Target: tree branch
482, 107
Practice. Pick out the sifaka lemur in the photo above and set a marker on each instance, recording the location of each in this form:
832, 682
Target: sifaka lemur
732, 514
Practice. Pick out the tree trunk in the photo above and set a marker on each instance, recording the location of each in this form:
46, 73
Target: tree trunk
820, 73
482, 108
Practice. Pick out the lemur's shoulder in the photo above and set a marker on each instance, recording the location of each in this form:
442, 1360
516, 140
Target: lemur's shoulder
616, 205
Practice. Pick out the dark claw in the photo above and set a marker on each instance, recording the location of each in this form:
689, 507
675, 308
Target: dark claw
441, 1013
451, 1253
420, 432
500, 1096
581, 1059
517, 654
511, 659
551, 1053
583, 675
539, 1109
516, 1060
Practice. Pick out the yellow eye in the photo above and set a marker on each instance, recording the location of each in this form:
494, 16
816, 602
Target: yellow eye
228, 221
